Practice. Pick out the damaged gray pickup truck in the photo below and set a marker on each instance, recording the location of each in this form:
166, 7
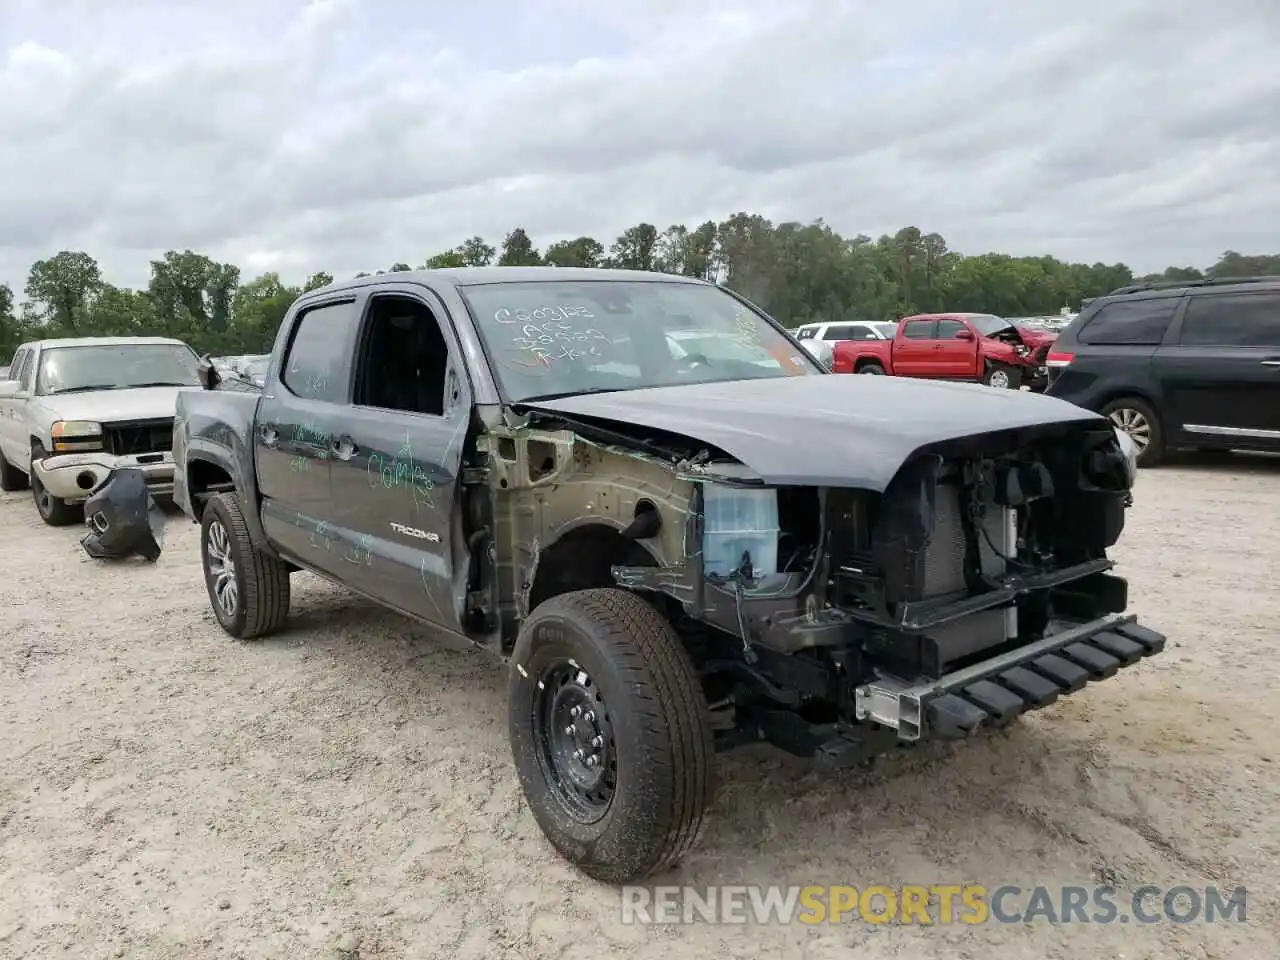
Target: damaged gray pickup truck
681, 532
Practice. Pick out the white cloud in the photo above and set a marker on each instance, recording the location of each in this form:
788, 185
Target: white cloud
348, 135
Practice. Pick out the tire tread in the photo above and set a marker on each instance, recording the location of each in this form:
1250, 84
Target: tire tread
266, 579
671, 715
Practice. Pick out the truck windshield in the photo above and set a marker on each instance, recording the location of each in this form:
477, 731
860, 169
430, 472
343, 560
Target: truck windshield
551, 338
116, 367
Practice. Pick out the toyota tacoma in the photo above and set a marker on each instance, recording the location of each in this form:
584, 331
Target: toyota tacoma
975, 347
622, 483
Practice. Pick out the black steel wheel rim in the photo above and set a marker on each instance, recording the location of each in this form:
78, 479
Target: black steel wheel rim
574, 738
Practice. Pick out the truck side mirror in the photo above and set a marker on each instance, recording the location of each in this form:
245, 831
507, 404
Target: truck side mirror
964, 334
208, 373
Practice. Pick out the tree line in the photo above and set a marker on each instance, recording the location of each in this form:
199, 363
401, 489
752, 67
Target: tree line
797, 272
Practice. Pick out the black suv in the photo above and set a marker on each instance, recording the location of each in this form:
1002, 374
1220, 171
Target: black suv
1189, 364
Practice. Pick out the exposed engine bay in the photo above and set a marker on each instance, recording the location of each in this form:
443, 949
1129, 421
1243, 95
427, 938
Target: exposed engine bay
1013, 337
827, 619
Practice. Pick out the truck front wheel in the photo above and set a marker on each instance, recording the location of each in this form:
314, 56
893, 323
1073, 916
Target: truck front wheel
610, 734
248, 590
1002, 377
54, 511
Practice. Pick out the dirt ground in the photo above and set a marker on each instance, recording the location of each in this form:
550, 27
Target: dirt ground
345, 789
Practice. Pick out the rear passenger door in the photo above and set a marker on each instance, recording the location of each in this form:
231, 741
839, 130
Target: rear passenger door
1221, 376
299, 417
913, 349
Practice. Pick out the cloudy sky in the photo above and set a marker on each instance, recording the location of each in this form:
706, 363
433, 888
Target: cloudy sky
351, 134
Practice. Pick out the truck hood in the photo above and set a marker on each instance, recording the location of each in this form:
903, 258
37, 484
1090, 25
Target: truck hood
109, 406
840, 431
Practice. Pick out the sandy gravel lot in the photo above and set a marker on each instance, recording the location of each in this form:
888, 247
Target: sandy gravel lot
345, 789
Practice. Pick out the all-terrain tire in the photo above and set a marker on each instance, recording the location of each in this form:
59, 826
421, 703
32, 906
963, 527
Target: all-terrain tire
871, 368
11, 478
659, 742
1132, 414
261, 581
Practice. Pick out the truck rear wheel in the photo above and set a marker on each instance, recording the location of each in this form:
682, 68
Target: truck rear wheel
872, 368
610, 734
248, 590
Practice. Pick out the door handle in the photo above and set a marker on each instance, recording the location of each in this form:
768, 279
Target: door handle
344, 448
1271, 363
268, 434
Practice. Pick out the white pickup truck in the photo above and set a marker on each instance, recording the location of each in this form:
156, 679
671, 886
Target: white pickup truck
74, 410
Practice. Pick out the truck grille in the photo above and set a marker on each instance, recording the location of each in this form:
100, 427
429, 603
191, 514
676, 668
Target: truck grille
138, 437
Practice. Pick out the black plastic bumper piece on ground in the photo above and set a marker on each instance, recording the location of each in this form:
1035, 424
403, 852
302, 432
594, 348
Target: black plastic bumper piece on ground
994, 697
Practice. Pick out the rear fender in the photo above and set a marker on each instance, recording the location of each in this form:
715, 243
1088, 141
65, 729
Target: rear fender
204, 462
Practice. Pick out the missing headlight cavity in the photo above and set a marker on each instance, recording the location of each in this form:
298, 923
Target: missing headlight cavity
739, 531
753, 533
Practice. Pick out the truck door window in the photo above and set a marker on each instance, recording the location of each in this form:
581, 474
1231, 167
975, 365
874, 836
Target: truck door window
947, 329
404, 358
919, 330
313, 366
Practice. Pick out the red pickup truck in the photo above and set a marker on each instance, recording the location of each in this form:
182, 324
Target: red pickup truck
953, 346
